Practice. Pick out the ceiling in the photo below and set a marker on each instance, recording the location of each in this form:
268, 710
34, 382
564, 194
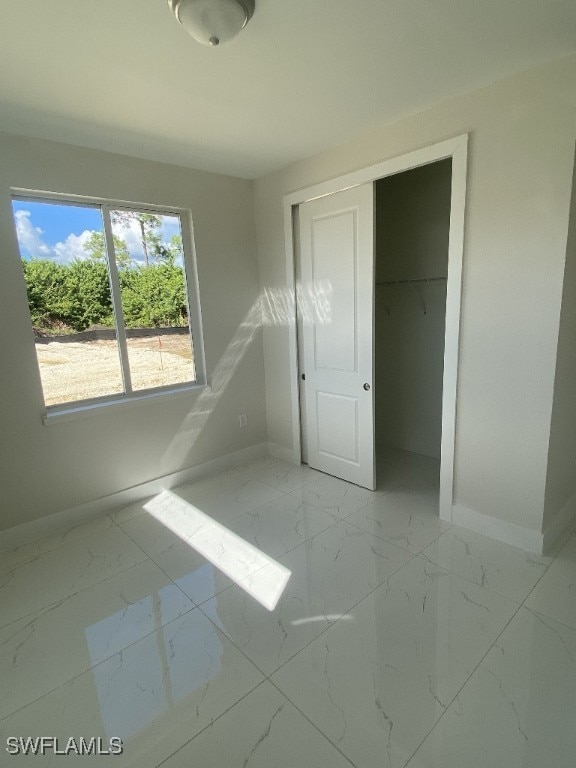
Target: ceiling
304, 75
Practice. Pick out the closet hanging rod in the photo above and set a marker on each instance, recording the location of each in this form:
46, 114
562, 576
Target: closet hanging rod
414, 280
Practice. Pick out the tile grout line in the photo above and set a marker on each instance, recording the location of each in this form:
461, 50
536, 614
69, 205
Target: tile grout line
63, 532
151, 559
312, 723
102, 661
520, 606
330, 624
51, 606
210, 724
419, 555
99, 663
282, 694
543, 616
518, 609
447, 706
203, 603
425, 557
459, 691
268, 677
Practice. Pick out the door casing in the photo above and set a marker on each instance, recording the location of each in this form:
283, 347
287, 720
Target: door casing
456, 149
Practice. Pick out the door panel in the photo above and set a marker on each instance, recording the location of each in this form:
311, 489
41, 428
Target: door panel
333, 251
337, 298
337, 426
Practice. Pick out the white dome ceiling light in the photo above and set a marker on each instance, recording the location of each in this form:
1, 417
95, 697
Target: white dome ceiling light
212, 22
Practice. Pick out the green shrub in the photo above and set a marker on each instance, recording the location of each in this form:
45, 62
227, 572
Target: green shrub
46, 295
153, 296
76, 296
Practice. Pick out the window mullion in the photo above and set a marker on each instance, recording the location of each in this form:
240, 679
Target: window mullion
117, 301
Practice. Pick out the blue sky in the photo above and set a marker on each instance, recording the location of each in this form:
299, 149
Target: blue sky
59, 221
57, 232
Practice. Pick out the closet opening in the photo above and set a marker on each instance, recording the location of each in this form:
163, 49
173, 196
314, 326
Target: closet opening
374, 265
412, 228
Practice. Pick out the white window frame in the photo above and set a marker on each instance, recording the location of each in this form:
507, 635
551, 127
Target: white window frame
130, 396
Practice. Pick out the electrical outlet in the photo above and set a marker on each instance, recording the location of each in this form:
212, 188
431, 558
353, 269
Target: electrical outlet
242, 420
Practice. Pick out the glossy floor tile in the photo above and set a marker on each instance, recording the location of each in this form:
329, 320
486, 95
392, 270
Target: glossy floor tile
36, 548
397, 640
275, 527
510, 571
155, 695
335, 496
192, 573
330, 573
280, 474
555, 594
517, 709
231, 491
59, 573
407, 516
261, 731
83, 630
375, 684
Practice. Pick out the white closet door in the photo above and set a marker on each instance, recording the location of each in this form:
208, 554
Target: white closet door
337, 303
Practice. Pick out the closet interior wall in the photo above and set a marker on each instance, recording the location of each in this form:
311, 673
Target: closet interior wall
412, 229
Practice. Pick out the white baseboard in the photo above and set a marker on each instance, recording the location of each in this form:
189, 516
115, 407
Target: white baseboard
509, 533
561, 525
47, 526
281, 452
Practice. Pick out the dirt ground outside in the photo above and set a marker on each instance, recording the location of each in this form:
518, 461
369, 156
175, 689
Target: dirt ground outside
74, 371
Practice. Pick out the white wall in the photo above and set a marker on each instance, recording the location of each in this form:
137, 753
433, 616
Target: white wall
412, 228
520, 162
45, 469
561, 480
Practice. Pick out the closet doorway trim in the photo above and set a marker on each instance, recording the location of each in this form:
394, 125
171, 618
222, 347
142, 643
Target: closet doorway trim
456, 149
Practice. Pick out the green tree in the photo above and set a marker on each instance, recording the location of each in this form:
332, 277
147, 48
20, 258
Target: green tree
95, 248
172, 251
148, 225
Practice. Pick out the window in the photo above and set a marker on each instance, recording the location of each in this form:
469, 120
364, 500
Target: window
112, 296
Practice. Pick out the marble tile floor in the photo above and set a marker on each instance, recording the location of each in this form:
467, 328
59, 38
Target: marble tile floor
398, 640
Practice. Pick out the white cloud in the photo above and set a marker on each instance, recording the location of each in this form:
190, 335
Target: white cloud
131, 236
32, 245
30, 237
72, 248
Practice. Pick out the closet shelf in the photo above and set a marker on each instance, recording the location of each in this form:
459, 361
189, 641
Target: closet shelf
414, 281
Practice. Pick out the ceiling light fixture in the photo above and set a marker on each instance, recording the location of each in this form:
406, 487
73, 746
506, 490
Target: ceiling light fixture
212, 22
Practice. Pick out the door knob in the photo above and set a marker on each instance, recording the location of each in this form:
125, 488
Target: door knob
367, 386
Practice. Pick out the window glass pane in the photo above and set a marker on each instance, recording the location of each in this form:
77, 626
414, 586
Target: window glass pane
149, 258
65, 268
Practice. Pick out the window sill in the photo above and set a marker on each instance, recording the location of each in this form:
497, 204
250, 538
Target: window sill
57, 414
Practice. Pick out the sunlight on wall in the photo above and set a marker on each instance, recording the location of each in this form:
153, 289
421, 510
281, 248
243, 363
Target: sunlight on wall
206, 402
271, 308
314, 304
